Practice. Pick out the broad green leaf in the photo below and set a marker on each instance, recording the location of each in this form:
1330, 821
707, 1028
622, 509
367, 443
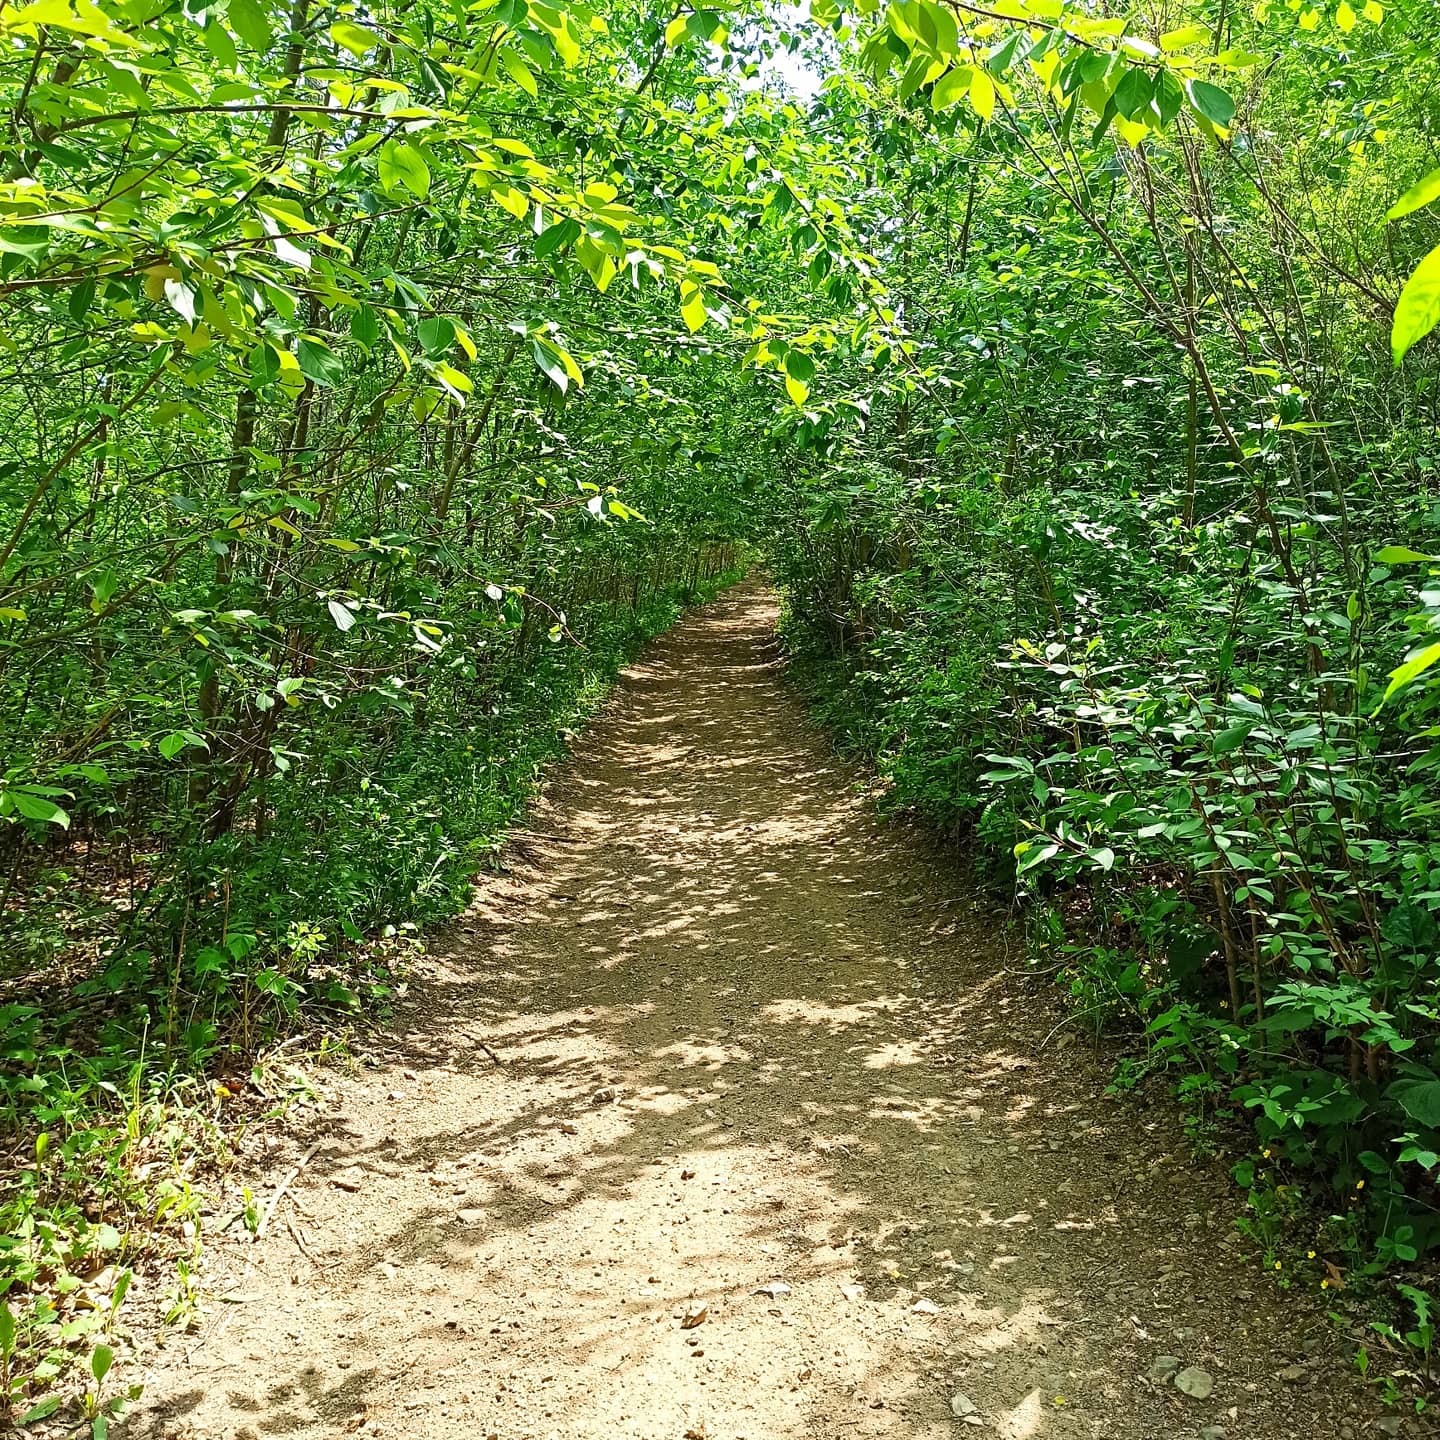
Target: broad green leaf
1183, 38
1419, 1099
692, 309
1417, 312
437, 335
1412, 669
952, 87
318, 362
402, 164
1134, 92
799, 366
354, 38
1419, 195
1400, 555
37, 807
519, 72
1211, 102
365, 326
982, 92
249, 21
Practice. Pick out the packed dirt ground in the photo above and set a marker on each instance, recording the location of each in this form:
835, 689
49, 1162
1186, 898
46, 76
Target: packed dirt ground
721, 1115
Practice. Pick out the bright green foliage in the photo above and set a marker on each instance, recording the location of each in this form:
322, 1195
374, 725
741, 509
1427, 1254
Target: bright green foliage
1126, 572
374, 377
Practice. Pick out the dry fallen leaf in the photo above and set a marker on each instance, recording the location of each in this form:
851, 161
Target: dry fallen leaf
695, 1317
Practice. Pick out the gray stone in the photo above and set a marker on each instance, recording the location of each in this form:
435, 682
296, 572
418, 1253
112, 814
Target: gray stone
961, 1406
1165, 1368
1195, 1382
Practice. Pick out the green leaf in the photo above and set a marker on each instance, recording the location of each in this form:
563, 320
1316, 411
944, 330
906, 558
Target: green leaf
1211, 102
982, 92
354, 38
692, 309
519, 72
1417, 311
402, 164
1400, 555
248, 20
951, 88
80, 300
550, 366
7, 1331
799, 366
264, 365
1419, 1099
1419, 195
552, 237
1134, 92
437, 335
37, 807
30, 241
102, 1357
1227, 740
1414, 667
365, 326
46, 1407
318, 362
1183, 38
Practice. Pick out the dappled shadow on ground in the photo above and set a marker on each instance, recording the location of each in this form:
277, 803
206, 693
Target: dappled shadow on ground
725, 1043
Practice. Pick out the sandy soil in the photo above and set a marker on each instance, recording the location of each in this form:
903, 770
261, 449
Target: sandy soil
773, 1148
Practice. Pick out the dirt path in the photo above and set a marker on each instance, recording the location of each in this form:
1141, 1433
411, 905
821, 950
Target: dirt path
760, 1064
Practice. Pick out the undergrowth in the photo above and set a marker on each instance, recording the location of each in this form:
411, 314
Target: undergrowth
124, 1087
1308, 1077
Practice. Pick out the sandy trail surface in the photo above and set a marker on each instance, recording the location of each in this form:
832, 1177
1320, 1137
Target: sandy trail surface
719, 1116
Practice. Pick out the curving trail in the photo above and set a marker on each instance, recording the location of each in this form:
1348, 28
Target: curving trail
761, 1061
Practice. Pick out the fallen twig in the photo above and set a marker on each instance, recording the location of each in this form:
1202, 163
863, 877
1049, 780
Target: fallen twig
282, 1187
300, 1244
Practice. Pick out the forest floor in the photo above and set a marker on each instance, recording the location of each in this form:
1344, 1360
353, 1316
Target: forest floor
720, 1116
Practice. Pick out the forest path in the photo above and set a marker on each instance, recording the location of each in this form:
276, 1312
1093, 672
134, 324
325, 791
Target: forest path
760, 1062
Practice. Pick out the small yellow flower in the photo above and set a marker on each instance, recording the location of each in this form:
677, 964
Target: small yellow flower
1277, 1264
1309, 1254
1359, 1184
1266, 1154
1324, 1284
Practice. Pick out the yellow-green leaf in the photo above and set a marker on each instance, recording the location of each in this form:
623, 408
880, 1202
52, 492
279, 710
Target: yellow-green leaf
1415, 666
354, 38
982, 93
1417, 312
519, 72
692, 309
950, 88
1420, 194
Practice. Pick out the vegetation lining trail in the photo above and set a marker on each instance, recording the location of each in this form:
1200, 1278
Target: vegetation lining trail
773, 1151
